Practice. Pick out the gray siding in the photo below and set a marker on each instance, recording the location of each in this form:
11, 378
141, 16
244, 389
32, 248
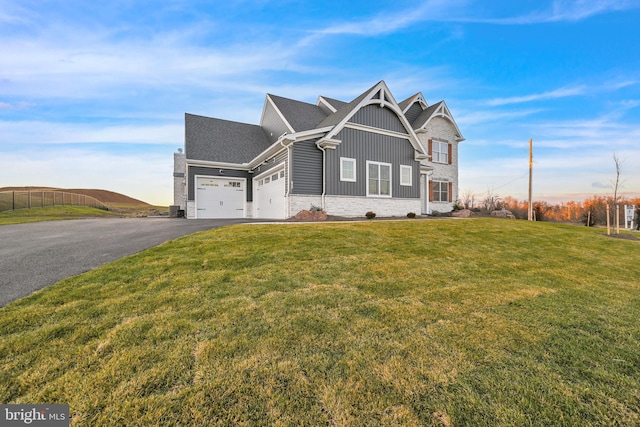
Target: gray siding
413, 112
307, 168
383, 118
272, 123
281, 157
363, 146
226, 173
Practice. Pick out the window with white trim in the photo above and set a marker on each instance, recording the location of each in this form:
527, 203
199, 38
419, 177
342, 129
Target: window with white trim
378, 179
406, 175
440, 152
440, 191
347, 169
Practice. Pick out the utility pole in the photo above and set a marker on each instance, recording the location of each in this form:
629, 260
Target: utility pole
530, 179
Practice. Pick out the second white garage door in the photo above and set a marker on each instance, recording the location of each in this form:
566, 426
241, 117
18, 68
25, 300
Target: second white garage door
220, 197
268, 195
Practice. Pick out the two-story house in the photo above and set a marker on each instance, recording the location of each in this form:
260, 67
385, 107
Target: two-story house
348, 158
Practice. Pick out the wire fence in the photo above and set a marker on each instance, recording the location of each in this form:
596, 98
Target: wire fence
15, 200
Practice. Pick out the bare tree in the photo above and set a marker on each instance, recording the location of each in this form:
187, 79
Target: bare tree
616, 183
468, 199
616, 186
492, 201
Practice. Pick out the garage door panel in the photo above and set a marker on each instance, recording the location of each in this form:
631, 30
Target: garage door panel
220, 198
269, 197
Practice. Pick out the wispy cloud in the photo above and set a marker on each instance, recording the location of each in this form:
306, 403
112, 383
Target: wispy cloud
603, 130
14, 106
562, 11
11, 13
553, 94
629, 104
467, 11
621, 84
598, 184
386, 22
42, 68
471, 118
581, 9
24, 133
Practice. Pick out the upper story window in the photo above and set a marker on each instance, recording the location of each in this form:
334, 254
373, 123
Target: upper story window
378, 179
347, 169
440, 152
406, 175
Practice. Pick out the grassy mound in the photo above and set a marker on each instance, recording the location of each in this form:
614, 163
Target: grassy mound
52, 213
475, 322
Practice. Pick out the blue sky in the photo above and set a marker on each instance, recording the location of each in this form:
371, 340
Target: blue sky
93, 94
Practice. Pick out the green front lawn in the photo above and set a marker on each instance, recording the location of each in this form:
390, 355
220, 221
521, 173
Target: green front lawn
453, 322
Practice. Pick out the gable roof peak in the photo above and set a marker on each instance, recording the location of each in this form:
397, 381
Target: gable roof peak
439, 109
296, 115
410, 101
378, 94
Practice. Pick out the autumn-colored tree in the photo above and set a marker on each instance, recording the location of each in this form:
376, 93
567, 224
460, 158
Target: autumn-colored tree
541, 210
518, 209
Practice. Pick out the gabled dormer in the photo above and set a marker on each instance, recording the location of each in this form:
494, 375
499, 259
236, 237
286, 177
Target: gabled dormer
438, 109
272, 121
413, 106
329, 105
286, 116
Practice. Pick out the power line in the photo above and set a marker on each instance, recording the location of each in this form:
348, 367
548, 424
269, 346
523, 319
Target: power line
512, 181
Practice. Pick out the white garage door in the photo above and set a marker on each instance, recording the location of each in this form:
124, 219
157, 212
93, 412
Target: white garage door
268, 195
220, 197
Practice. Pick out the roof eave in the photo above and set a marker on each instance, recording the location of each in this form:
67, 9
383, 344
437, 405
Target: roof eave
285, 141
211, 163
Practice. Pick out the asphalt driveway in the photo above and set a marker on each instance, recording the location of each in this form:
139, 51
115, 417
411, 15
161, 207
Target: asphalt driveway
39, 254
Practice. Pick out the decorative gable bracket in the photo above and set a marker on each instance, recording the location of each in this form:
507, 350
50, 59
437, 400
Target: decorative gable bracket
421, 156
331, 143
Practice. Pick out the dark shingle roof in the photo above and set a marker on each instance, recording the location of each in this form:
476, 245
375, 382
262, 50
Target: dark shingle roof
335, 103
300, 115
219, 140
424, 116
